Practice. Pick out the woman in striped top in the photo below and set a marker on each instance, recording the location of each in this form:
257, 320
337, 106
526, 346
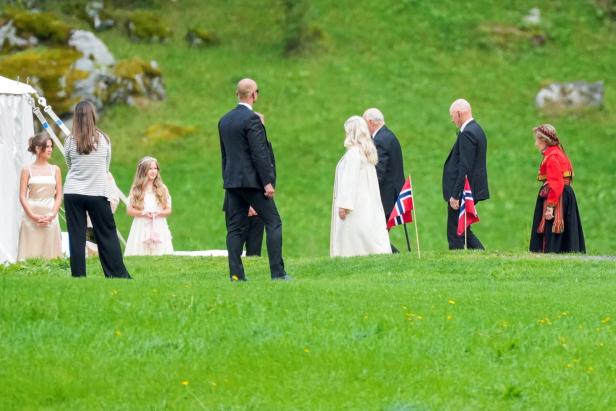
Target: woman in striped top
88, 155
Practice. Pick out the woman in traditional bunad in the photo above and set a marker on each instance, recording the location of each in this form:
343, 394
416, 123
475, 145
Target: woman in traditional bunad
557, 227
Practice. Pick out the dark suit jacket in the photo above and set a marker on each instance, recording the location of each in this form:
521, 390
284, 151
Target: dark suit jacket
467, 157
390, 168
247, 156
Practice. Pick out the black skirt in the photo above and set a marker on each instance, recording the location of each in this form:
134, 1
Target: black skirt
571, 240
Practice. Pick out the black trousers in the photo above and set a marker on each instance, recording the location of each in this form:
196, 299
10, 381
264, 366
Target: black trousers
455, 241
110, 253
238, 202
253, 236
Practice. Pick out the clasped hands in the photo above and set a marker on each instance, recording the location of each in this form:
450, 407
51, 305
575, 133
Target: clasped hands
149, 214
43, 220
549, 213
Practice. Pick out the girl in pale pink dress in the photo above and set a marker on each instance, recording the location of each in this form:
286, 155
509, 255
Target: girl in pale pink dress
149, 203
40, 194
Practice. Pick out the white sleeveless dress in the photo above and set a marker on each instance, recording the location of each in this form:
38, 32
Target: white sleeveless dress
149, 236
35, 241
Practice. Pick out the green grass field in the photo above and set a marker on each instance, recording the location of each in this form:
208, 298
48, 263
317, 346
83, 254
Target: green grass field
411, 59
452, 331
458, 331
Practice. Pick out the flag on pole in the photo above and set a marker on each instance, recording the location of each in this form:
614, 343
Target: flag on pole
468, 213
402, 209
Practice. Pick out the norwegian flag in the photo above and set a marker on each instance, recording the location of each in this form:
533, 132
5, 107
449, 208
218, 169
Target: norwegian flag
402, 209
468, 213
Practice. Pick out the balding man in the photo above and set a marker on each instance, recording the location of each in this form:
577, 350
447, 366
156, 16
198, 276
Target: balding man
467, 158
249, 175
390, 168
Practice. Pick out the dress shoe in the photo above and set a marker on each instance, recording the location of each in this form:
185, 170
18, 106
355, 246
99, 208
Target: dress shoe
235, 278
285, 277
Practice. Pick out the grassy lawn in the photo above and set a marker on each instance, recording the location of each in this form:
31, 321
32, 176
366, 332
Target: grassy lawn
449, 331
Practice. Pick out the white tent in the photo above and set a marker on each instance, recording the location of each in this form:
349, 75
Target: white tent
16, 126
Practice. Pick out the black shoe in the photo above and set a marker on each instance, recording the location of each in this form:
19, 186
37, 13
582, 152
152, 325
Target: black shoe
285, 277
235, 278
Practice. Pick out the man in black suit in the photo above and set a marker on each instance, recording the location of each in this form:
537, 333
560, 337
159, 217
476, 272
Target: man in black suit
467, 158
249, 176
390, 167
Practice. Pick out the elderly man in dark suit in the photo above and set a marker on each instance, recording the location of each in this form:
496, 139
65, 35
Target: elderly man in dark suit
249, 175
467, 158
390, 168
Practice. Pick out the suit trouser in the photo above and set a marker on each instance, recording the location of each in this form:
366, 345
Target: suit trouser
239, 200
99, 210
455, 241
253, 236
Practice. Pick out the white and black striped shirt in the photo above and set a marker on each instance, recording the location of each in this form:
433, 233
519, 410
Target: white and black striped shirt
87, 173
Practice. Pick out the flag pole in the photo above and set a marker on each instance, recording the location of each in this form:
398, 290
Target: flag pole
415, 219
406, 234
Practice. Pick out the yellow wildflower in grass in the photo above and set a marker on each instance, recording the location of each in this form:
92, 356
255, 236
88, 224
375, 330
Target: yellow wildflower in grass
504, 324
184, 382
562, 341
449, 317
306, 349
235, 278
545, 321
114, 292
590, 370
118, 333
452, 302
213, 384
606, 320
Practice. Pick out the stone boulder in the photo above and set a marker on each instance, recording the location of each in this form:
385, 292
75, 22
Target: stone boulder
96, 14
577, 95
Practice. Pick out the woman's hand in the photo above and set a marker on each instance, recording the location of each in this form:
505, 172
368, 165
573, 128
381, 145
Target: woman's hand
342, 213
549, 213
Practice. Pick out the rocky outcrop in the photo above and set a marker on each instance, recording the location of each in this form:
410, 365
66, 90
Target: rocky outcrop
577, 95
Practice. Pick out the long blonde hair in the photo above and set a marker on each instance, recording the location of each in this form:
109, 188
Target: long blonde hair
137, 190
85, 132
357, 134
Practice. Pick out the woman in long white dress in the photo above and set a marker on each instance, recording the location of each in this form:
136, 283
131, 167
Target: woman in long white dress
149, 204
357, 224
40, 194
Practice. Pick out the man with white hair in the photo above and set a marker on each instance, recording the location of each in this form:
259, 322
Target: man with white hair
466, 159
390, 168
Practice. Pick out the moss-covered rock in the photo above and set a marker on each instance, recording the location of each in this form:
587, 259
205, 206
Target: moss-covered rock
197, 37
167, 132
46, 28
147, 26
135, 80
51, 72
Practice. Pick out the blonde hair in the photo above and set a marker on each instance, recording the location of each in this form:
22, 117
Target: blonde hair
357, 135
137, 190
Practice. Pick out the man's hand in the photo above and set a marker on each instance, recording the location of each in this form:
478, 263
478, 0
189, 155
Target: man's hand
453, 203
251, 212
549, 213
269, 191
342, 213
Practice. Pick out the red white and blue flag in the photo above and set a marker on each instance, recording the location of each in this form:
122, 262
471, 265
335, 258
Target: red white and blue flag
468, 213
402, 209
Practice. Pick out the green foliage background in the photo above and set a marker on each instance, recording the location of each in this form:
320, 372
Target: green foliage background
409, 58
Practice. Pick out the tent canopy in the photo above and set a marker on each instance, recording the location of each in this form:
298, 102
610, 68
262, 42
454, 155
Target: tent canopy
8, 86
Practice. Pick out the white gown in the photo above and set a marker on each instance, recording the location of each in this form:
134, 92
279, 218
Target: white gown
364, 230
149, 236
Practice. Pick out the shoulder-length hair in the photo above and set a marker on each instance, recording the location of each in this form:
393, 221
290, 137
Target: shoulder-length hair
137, 190
85, 132
357, 135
